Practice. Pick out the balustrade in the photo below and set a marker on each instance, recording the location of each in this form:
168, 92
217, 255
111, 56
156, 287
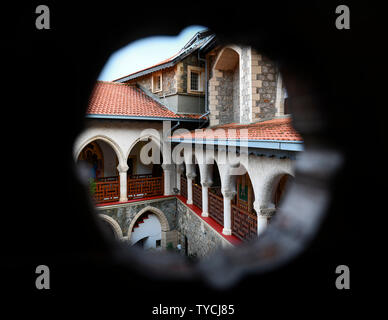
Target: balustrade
244, 223
216, 205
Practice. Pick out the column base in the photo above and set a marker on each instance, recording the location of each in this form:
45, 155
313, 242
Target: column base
123, 199
205, 214
226, 231
189, 202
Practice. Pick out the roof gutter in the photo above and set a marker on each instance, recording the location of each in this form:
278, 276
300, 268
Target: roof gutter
261, 144
124, 117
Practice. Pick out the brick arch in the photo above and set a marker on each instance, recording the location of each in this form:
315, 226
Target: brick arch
113, 223
160, 215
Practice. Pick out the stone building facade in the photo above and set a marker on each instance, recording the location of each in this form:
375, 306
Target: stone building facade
204, 200
244, 86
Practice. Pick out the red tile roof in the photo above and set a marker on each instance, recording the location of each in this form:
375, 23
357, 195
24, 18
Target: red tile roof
118, 99
274, 129
155, 65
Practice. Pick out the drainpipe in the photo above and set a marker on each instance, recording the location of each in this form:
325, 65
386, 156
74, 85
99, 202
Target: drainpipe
176, 125
206, 93
204, 60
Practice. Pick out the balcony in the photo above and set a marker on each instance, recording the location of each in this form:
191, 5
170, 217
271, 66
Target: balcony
243, 222
107, 189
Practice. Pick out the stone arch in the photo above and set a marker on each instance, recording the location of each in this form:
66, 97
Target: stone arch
113, 223
109, 141
244, 172
225, 78
161, 216
269, 186
226, 51
148, 136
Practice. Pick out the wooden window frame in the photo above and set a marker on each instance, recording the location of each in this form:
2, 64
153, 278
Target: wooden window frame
201, 78
154, 75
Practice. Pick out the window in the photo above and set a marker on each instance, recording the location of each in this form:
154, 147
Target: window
158, 243
195, 79
157, 82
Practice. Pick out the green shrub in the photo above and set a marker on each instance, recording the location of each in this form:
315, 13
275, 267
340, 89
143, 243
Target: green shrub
92, 186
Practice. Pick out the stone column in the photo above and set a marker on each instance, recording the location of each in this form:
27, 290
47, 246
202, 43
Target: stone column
205, 198
167, 169
179, 171
190, 178
123, 169
228, 196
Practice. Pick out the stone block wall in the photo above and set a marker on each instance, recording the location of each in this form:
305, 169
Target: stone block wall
181, 74
224, 97
169, 82
264, 87
202, 239
124, 214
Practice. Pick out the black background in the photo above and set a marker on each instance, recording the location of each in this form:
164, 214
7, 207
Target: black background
47, 78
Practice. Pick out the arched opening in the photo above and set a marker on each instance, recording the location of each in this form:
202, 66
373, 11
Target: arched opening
108, 229
226, 78
147, 231
111, 226
279, 191
145, 173
243, 215
98, 166
149, 226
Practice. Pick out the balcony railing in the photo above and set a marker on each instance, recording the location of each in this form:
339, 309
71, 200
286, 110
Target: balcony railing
145, 187
107, 190
197, 195
244, 223
183, 187
216, 205
138, 186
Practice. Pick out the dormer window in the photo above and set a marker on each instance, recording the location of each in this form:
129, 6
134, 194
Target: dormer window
157, 82
195, 79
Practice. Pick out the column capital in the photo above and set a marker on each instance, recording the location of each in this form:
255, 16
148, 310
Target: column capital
266, 212
206, 184
168, 166
229, 194
191, 175
180, 168
122, 168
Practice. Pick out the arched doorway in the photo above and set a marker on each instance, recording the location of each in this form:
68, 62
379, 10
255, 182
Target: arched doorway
147, 232
98, 163
149, 226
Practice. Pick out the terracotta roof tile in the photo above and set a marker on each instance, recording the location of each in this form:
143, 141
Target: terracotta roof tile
274, 129
117, 99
